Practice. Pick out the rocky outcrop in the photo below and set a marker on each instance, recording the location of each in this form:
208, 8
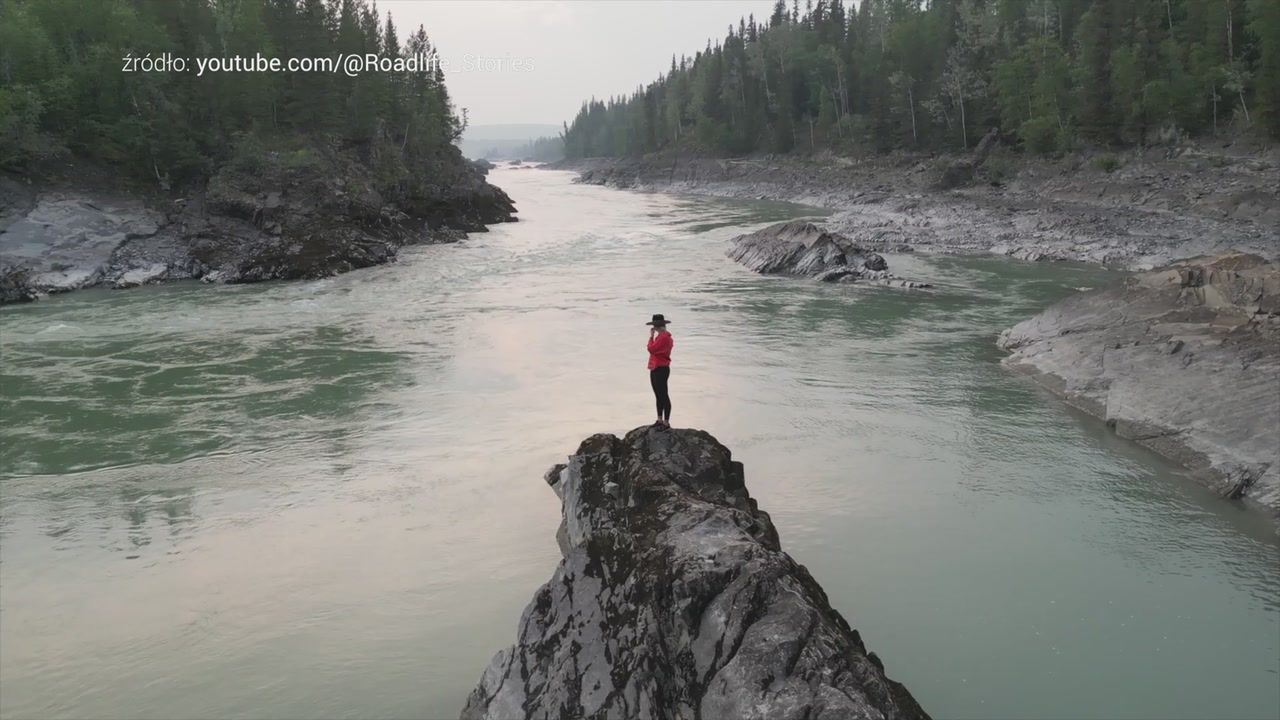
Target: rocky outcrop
57, 241
305, 214
1184, 360
673, 599
802, 249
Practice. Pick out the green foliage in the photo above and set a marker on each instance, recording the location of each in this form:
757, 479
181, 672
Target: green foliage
249, 155
301, 160
1264, 24
1107, 163
62, 84
936, 74
1042, 135
19, 119
999, 169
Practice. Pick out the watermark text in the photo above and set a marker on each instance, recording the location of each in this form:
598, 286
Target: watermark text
351, 65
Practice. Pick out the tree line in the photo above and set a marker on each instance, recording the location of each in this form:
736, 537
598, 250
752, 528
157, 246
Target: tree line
937, 74
543, 149
63, 88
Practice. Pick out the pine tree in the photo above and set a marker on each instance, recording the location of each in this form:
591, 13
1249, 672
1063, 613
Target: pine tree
1264, 24
62, 89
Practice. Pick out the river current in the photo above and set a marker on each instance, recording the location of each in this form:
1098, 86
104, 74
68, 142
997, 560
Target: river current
325, 499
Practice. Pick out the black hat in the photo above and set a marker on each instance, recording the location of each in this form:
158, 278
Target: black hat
657, 321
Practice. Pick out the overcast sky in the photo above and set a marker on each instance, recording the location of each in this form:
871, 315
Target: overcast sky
577, 48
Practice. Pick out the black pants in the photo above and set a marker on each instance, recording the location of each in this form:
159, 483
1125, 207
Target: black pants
658, 379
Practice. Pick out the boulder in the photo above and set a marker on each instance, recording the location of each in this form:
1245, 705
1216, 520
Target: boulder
802, 249
674, 599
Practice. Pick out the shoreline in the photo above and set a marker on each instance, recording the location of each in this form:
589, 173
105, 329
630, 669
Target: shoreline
1149, 211
1184, 361
76, 226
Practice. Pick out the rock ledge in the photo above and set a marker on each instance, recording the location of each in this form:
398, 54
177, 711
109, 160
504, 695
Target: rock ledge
1184, 360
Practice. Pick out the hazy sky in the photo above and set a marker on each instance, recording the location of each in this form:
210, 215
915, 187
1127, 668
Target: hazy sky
576, 48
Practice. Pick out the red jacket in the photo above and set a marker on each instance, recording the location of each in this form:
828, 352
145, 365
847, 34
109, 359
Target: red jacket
660, 350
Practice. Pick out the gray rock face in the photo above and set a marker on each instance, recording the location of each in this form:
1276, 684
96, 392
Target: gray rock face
803, 249
64, 241
1184, 360
673, 600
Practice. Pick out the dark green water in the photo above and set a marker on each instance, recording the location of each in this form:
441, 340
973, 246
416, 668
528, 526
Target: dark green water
324, 499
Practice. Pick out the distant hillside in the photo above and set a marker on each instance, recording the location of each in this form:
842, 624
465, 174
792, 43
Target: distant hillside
500, 142
544, 149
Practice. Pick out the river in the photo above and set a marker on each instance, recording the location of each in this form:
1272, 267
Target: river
325, 499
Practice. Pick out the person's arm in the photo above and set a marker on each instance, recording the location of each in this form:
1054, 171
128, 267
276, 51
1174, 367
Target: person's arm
661, 344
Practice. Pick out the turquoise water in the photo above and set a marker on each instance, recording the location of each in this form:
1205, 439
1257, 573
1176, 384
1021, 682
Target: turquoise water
324, 499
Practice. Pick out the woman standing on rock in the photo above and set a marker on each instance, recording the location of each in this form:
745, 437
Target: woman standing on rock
660, 344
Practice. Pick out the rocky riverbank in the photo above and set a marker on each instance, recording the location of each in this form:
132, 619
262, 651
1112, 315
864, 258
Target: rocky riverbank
674, 599
1184, 360
1134, 210
303, 214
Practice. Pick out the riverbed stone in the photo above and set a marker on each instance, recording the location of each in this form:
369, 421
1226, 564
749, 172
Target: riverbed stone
673, 599
803, 249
